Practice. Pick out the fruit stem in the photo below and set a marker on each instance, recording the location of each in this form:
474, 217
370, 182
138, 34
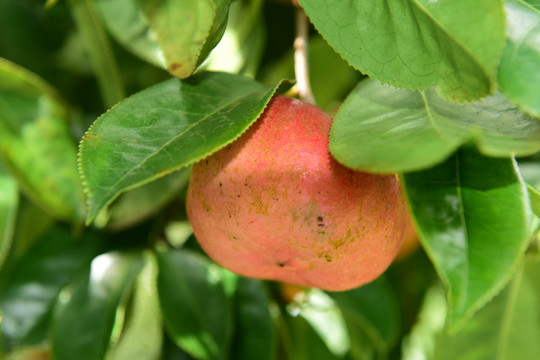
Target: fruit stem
301, 58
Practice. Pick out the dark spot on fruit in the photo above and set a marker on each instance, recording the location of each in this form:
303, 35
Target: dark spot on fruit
245, 184
281, 264
234, 238
328, 258
220, 184
238, 195
319, 218
321, 225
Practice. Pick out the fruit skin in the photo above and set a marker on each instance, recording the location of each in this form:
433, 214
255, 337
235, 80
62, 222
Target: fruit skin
410, 241
275, 204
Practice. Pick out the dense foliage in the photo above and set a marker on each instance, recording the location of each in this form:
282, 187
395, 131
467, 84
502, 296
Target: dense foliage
105, 105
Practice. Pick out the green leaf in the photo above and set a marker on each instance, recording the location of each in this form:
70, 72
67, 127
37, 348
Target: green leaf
125, 21
254, 331
86, 308
99, 50
195, 308
325, 317
519, 70
472, 216
506, 328
241, 48
142, 202
372, 310
534, 196
383, 129
35, 281
35, 143
417, 43
165, 128
186, 30
143, 335
9, 202
305, 343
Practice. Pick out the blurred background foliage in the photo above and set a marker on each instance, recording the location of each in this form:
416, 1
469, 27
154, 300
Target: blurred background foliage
135, 284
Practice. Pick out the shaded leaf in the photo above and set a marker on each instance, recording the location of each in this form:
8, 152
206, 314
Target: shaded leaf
382, 129
254, 330
195, 308
371, 310
88, 305
35, 144
143, 335
306, 343
33, 284
9, 201
186, 30
142, 202
417, 43
519, 70
507, 328
472, 217
98, 49
325, 317
165, 128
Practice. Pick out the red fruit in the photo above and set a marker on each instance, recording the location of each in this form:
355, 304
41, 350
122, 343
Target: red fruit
276, 205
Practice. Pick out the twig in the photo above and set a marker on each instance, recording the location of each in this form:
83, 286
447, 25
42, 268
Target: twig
301, 67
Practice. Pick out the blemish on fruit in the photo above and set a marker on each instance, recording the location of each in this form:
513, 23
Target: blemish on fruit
328, 258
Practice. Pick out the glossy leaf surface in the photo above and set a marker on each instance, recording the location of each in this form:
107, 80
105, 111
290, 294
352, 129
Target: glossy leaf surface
519, 70
87, 306
35, 143
383, 129
195, 308
417, 43
35, 281
165, 128
508, 327
472, 217
9, 200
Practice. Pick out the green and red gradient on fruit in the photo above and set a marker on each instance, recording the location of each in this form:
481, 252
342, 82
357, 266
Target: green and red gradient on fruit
275, 204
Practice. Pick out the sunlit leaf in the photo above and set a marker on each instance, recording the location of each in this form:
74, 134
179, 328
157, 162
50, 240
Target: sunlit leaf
305, 342
254, 330
195, 308
165, 128
125, 20
143, 334
241, 48
35, 143
417, 43
9, 200
519, 70
472, 216
87, 307
507, 328
383, 129
35, 281
534, 196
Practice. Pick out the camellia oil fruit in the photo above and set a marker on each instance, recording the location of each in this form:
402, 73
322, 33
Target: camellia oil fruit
274, 204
